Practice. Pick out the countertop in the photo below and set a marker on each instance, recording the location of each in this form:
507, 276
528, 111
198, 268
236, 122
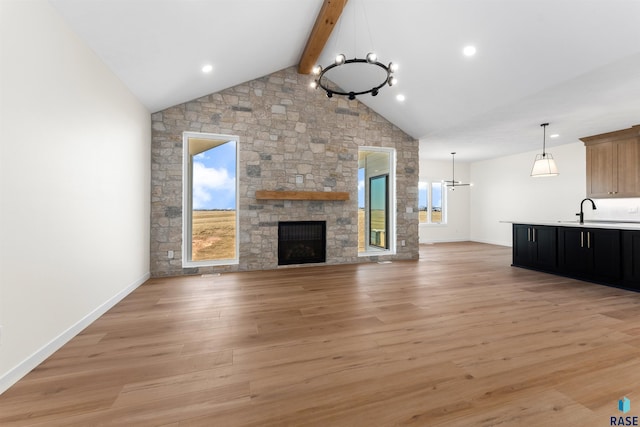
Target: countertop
615, 225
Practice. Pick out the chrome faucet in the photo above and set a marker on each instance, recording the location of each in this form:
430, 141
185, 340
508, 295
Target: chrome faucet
581, 213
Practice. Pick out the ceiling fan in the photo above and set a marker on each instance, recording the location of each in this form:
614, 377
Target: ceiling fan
452, 184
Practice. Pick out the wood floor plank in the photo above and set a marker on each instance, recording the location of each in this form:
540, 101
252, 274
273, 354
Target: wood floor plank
456, 338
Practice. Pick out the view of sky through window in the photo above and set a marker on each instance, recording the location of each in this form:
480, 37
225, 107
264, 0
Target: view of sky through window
436, 195
423, 195
214, 178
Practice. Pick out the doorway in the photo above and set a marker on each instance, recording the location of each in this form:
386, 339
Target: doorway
376, 201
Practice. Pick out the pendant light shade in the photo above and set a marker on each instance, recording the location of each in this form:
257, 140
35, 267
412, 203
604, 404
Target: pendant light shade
544, 164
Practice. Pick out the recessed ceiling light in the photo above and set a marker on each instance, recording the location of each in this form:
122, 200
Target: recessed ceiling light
400, 97
555, 135
469, 50
207, 68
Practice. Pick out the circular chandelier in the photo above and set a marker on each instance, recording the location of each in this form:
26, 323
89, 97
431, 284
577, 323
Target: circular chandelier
342, 61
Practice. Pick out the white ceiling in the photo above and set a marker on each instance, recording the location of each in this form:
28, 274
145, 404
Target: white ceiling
572, 63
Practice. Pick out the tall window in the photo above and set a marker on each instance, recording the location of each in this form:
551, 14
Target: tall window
431, 202
376, 200
210, 199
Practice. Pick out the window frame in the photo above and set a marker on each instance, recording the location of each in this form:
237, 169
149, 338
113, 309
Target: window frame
187, 199
444, 208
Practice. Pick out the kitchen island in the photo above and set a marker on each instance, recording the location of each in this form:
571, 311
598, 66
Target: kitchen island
605, 252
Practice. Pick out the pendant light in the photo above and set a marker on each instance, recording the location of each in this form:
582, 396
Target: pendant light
453, 183
544, 165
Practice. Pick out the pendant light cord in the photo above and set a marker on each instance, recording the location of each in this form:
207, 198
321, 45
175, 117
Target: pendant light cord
366, 20
544, 138
453, 169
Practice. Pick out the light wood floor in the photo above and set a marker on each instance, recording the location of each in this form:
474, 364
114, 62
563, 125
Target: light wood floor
458, 338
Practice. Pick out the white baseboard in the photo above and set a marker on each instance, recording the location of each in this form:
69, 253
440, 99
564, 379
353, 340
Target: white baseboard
489, 242
26, 366
432, 241
493, 242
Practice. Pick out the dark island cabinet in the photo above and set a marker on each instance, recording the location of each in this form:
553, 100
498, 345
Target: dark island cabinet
534, 246
631, 258
602, 255
590, 253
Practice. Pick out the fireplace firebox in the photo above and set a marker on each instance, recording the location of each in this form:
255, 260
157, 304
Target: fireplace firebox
302, 242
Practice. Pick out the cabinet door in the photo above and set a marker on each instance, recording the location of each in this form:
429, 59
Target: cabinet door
522, 253
631, 258
600, 173
628, 168
546, 247
573, 257
590, 253
534, 246
605, 248
613, 163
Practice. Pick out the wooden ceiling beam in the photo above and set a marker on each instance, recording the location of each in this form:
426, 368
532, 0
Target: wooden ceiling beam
325, 22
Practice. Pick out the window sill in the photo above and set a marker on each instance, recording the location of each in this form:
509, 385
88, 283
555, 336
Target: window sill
191, 264
375, 253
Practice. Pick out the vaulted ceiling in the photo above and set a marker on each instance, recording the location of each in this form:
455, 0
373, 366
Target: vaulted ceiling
572, 63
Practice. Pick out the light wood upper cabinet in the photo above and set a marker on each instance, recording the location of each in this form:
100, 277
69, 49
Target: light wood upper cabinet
613, 164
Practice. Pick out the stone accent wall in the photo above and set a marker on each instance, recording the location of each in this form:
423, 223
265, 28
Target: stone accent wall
285, 129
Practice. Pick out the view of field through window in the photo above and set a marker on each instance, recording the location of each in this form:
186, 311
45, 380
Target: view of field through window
213, 235
213, 222
377, 221
436, 202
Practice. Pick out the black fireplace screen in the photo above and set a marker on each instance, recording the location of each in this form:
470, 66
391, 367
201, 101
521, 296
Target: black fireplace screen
302, 242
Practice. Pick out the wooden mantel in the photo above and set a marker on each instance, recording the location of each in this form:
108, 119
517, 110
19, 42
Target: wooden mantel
301, 195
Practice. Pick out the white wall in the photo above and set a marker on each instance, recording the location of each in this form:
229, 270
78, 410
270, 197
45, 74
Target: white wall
457, 226
74, 185
504, 191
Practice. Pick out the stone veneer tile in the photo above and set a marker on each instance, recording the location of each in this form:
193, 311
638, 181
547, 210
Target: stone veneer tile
284, 129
